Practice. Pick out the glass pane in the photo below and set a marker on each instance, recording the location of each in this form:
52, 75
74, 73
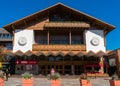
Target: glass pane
58, 58
51, 58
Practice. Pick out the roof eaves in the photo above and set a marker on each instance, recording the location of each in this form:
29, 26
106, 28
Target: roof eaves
64, 6
31, 15
88, 15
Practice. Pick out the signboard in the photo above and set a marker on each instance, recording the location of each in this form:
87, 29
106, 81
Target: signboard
0, 64
25, 62
5, 63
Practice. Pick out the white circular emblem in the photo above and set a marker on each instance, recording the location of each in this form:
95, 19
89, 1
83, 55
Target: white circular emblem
22, 41
95, 41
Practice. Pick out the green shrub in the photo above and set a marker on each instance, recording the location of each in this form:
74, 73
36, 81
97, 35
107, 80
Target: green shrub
27, 75
84, 77
115, 77
55, 76
2, 75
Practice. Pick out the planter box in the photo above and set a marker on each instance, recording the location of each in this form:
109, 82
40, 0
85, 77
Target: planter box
55, 82
27, 82
1, 82
114, 82
85, 83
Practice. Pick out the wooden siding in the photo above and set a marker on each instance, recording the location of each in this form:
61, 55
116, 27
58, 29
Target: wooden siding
37, 25
59, 47
67, 24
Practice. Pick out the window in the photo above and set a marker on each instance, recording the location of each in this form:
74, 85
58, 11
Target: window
59, 39
41, 37
76, 39
0, 35
89, 69
51, 58
58, 58
9, 36
8, 45
3, 35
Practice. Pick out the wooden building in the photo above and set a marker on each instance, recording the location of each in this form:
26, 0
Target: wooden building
5, 44
112, 60
59, 37
5, 39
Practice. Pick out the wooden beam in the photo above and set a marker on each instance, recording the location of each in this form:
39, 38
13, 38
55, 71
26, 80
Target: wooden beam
13, 27
48, 15
25, 22
48, 38
105, 32
13, 32
105, 27
36, 17
70, 37
81, 17
93, 22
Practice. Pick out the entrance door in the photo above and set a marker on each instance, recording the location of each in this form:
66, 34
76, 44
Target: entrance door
79, 69
57, 68
46, 69
62, 67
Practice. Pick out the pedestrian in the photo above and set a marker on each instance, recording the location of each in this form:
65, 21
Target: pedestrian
7, 74
52, 71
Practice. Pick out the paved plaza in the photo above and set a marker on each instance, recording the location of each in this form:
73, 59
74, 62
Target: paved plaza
64, 82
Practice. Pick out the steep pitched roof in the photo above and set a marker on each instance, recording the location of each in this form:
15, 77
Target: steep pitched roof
105, 25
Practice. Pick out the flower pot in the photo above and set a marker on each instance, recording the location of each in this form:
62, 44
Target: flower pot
27, 82
114, 82
85, 83
1, 82
55, 82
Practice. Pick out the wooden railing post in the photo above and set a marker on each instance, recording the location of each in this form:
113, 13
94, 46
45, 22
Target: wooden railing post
48, 38
70, 37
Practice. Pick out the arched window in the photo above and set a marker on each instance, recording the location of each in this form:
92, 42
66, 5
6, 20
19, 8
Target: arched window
58, 58
51, 58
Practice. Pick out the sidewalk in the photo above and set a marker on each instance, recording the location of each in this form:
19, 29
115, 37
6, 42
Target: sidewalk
64, 82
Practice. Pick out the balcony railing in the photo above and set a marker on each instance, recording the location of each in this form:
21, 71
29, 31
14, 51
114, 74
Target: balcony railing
5, 39
7, 48
37, 47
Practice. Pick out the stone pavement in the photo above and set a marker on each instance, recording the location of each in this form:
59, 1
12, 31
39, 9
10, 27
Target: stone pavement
64, 82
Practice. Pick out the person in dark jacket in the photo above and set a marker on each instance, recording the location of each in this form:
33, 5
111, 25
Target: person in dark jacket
7, 73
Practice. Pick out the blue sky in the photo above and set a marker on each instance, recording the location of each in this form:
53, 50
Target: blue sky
106, 10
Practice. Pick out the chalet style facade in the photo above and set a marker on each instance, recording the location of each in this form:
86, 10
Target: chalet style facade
62, 38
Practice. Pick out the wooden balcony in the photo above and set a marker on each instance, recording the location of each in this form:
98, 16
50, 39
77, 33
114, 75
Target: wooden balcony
6, 39
37, 47
5, 51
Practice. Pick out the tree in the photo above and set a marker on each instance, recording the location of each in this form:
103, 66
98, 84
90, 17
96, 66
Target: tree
1, 55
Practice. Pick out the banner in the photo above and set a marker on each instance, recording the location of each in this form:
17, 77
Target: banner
25, 62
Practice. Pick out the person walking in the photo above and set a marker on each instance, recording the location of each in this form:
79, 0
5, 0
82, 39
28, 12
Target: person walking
7, 73
52, 71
